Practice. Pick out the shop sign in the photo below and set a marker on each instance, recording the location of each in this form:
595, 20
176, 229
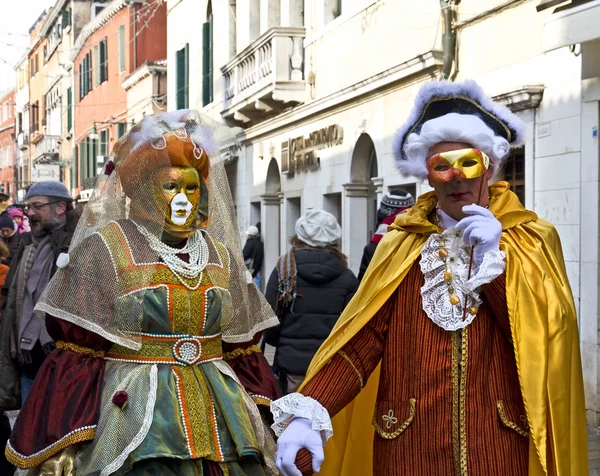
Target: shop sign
300, 154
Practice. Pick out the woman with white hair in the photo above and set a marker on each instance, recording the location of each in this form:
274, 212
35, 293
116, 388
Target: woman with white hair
309, 288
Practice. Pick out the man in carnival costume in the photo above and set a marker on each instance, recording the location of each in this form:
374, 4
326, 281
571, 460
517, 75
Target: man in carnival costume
156, 323
459, 354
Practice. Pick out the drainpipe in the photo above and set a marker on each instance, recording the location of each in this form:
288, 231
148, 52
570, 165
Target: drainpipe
448, 38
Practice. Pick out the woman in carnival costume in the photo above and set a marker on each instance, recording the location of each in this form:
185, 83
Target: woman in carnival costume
156, 322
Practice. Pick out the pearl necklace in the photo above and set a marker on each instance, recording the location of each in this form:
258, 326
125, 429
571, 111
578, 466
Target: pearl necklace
195, 247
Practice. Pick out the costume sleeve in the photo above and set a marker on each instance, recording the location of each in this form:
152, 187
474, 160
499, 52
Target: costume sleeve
351, 367
63, 406
495, 293
253, 370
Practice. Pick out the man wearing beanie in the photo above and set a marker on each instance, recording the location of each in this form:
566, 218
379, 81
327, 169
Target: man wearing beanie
459, 353
392, 203
24, 341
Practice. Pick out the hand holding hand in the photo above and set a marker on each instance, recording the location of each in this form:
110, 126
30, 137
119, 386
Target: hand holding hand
481, 229
299, 434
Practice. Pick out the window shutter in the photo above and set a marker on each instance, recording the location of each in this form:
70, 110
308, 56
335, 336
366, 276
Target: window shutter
103, 60
183, 78
75, 174
186, 76
121, 48
69, 109
96, 68
205, 63
66, 18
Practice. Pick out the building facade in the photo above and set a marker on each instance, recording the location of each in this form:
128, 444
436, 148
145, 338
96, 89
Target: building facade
110, 48
315, 90
22, 160
7, 145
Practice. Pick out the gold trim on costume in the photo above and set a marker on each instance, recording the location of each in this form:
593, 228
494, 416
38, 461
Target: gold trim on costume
26, 462
234, 354
508, 423
62, 345
347, 359
390, 436
460, 357
261, 401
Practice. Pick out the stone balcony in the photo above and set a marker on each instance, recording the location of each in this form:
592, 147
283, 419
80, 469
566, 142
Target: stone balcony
265, 78
46, 148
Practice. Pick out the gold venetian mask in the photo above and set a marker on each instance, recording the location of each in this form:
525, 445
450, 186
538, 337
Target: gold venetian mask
462, 163
177, 193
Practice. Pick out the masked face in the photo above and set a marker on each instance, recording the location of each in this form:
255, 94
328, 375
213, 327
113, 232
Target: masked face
177, 193
462, 163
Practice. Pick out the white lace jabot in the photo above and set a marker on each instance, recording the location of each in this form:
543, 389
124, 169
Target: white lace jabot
296, 405
450, 298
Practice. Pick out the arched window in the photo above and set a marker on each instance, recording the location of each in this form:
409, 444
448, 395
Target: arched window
207, 56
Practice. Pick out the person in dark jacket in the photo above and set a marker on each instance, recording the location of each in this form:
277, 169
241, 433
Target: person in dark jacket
309, 288
254, 252
24, 341
392, 203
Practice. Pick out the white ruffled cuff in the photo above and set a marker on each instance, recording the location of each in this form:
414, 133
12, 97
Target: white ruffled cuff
493, 265
296, 405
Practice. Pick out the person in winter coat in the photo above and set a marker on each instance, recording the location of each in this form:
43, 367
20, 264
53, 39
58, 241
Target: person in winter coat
254, 252
392, 203
10, 237
24, 341
18, 216
309, 288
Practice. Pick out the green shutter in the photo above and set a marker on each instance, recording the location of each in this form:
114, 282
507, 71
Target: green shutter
96, 68
66, 18
75, 174
81, 81
121, 48
83, 160
69, 109
121, 129
339, 7
103, 60
183, 74
207, 61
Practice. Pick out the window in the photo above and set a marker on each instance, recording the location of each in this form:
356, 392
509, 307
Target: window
85, 75
103, 60
83, 156
514, 173
333, 9
69, 109
96, 67
35, 118
121, 48
207, 57
96, 9
121, 129
33, 65
103, 143
183, 73
66, 18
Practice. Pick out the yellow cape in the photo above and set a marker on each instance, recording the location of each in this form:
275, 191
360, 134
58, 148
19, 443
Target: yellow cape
543, 325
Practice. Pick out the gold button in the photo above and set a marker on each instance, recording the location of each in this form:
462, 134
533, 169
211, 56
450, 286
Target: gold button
454, 300
443, 253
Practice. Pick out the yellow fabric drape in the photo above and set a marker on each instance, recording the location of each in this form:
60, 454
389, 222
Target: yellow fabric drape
543, 325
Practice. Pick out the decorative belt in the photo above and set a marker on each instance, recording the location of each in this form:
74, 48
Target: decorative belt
174, 349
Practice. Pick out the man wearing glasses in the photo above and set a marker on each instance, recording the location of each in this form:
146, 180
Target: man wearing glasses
24, 341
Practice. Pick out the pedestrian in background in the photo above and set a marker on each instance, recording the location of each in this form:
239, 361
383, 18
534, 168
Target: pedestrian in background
254, 252
309, 288
10, 237
18, 216
24, 341
392, 203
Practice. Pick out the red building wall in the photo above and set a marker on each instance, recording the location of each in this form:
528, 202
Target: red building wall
7, 144
145, 38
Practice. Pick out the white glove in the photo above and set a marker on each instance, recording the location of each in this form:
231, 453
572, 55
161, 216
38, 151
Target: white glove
481, 229
299, 434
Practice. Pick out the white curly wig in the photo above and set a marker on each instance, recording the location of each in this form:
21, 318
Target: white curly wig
455, 112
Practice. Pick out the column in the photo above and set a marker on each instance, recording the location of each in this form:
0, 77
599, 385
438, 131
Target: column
270, 224
590, 270
355, 223
378, 183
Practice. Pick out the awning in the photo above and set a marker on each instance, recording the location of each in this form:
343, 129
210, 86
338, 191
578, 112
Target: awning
571, 26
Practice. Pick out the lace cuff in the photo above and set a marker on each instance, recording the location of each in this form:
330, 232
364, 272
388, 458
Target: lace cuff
296, 405
493, 265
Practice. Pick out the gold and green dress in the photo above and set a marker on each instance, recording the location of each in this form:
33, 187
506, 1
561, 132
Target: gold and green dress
184, 402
